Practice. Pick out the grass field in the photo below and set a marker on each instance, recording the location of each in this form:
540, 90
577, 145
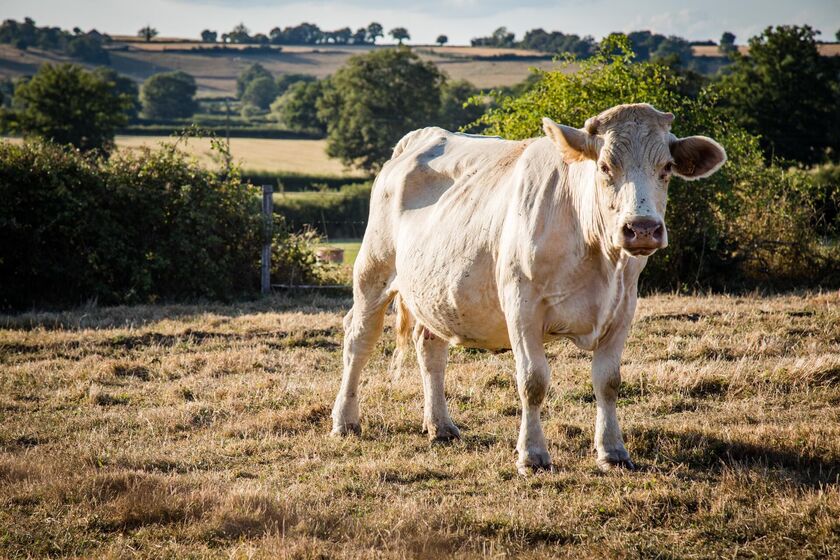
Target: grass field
259, 155
201, 432
350, 247
256, 155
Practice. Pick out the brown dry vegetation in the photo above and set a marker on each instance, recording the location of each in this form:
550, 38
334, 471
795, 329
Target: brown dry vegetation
201, 431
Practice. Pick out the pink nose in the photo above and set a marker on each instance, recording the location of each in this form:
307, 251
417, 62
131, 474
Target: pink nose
642, 234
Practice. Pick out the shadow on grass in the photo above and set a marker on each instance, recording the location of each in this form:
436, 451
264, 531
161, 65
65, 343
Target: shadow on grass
137, 316
704, 452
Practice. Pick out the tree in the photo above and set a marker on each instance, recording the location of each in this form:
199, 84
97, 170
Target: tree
285, 81
360, 36
342, 36
250, 74
208, 36
785, 92
169, 95
147, 33
124, 86
837, 35
297, 109
727, 43
67, 104
260, 92
374, 31
455, 112
373, 100
239, 34
400, 34
441, 40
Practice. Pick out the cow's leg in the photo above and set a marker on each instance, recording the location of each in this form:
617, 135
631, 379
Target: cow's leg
362, 326
532, 379
432, 353
606, 378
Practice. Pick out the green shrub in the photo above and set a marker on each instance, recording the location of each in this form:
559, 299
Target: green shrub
749, 225
141, 227
329, 213
293, 260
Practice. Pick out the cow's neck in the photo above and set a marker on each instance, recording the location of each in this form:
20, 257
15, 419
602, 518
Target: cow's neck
583, 197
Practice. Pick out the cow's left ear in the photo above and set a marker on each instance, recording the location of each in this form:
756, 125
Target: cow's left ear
696, 156
574, 144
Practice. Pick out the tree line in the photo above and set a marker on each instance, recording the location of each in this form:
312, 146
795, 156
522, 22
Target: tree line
306, 34
86, 46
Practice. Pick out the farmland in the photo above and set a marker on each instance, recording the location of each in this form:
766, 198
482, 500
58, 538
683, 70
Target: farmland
216, 73
201, 431
257, 154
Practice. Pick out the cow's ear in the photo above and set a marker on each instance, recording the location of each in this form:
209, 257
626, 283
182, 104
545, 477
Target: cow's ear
696, 156
574, 144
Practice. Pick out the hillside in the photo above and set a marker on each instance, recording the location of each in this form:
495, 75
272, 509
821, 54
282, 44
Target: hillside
216, 72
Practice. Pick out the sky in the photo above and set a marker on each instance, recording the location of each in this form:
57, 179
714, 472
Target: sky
460, 20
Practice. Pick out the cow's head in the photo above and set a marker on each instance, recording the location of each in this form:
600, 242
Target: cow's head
635, 155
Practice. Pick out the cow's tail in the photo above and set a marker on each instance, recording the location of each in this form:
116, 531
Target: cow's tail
403, 326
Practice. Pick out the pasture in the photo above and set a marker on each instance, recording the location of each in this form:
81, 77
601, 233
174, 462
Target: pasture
202, 432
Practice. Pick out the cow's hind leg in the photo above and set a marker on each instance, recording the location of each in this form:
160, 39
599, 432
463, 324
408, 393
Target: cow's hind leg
362, 327
432, 353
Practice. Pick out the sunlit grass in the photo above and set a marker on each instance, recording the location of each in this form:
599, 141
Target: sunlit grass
202, 431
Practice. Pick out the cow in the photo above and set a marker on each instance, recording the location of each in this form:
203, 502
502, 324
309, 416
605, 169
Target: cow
500, 244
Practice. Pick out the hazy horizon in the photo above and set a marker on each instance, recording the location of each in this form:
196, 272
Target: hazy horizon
460, 20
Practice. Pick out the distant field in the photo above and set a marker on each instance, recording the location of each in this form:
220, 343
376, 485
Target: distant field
268, 156
202, 431
256, 155
216, 73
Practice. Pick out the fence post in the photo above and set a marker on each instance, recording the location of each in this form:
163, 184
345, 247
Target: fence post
268, 226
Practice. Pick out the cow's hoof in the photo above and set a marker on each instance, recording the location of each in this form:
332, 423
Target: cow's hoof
346, 429
532, 461
441, 434
606, 464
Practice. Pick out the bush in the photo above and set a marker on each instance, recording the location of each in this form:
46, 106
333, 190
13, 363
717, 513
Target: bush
169, 95
142, 227
297, 109
293, 260
748, 225
260, 92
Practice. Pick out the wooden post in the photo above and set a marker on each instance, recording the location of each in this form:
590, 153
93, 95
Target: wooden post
268, 226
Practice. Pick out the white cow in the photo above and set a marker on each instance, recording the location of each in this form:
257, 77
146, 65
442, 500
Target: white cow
492, 243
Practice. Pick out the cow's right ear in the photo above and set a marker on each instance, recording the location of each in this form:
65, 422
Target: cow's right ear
574, 144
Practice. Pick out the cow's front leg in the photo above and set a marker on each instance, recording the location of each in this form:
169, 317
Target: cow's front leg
532, 379
432, 353
606, 379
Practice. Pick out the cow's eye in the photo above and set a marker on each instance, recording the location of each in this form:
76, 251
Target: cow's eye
605, 169
668, 167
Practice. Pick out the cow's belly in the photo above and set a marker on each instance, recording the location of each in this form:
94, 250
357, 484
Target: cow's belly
452, 291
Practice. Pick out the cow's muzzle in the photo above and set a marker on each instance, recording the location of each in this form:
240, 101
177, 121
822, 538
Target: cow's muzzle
641, 236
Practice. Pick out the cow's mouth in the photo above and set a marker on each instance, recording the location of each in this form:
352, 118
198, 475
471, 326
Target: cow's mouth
641, 252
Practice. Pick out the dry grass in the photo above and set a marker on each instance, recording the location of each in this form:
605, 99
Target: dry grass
201, 432
265, 155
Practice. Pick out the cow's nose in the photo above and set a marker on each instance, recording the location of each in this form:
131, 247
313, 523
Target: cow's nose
643, 233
